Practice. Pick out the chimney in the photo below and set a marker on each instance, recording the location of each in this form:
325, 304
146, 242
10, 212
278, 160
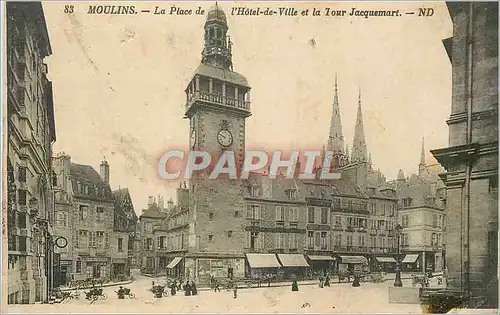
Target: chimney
161, 204
105, 171
151, 201
170, 204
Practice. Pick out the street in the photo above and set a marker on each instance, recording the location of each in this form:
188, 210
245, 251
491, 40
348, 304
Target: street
339, 298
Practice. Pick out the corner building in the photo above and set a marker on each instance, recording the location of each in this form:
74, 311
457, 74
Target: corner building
471, 159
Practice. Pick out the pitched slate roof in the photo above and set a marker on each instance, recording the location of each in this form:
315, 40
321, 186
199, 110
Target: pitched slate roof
153, 212
86, 175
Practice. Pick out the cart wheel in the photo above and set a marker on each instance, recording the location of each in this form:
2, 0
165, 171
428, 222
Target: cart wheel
249, 284
94, 297
104, 296
132, 295
165, 293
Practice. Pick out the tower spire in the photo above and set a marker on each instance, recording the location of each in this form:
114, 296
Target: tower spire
335, 138
421, 165
358, 152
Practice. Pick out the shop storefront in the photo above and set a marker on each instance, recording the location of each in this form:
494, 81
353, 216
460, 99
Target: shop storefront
411, 262
97, 267
321, 265
262, 265
352, 263
204, 268
174, 267
294, 265
385, 264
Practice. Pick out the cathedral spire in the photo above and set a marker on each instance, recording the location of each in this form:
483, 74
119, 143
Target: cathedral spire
336, 138
358, 153
422, 164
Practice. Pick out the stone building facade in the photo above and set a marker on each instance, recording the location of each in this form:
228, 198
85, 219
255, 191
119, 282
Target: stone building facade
422, 200
471, 160
151, 222
124, 237
98, 224
30, 135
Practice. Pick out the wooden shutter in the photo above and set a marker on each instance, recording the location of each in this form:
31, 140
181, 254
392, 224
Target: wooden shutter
106, 240
249, 211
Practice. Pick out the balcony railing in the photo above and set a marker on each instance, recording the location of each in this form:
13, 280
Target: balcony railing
217, 99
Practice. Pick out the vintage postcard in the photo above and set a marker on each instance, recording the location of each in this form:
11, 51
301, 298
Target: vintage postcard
249, 157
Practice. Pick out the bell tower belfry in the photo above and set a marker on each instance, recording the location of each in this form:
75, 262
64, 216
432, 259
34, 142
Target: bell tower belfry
217, 105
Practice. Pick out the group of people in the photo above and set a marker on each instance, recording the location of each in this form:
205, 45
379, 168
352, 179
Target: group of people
324, 281
189, 288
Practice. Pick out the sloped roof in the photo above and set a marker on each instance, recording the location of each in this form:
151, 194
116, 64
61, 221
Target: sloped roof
221, 74
87, 175
119, 196
153, 212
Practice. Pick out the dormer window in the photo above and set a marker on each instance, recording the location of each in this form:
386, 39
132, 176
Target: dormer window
254, 191
291, 193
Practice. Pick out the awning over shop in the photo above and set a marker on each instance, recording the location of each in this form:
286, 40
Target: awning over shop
119, 260
262, 261
174, 262
410, 258
353, 259
320, 258
293, 260
386, 259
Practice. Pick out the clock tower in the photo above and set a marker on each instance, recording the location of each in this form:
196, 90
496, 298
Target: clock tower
217, 105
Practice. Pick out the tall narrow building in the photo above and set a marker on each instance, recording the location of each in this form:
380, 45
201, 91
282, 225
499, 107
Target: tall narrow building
336, 138
358, 153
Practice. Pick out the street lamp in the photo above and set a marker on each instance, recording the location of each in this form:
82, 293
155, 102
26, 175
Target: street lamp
397, 282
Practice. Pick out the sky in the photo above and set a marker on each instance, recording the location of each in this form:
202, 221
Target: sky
119, 83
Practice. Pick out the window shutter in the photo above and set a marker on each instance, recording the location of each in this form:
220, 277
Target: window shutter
278, 212
260, 240
248, 238
258, 212
249, 211
106, 240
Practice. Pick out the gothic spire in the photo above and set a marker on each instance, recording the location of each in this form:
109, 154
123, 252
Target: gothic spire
358, 153
422, 153
421, 165
336, 138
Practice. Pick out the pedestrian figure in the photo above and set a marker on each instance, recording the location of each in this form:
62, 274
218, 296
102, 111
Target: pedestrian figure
173, 288
217, 288
187, 289
327, 281
194, 291
235, 290
268, 280
355, 282
321, 282
295, 285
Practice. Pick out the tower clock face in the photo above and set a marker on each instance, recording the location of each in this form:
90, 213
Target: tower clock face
193, 138
225, 138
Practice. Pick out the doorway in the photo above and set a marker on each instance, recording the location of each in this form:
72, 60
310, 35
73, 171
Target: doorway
96, 271
230, 273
